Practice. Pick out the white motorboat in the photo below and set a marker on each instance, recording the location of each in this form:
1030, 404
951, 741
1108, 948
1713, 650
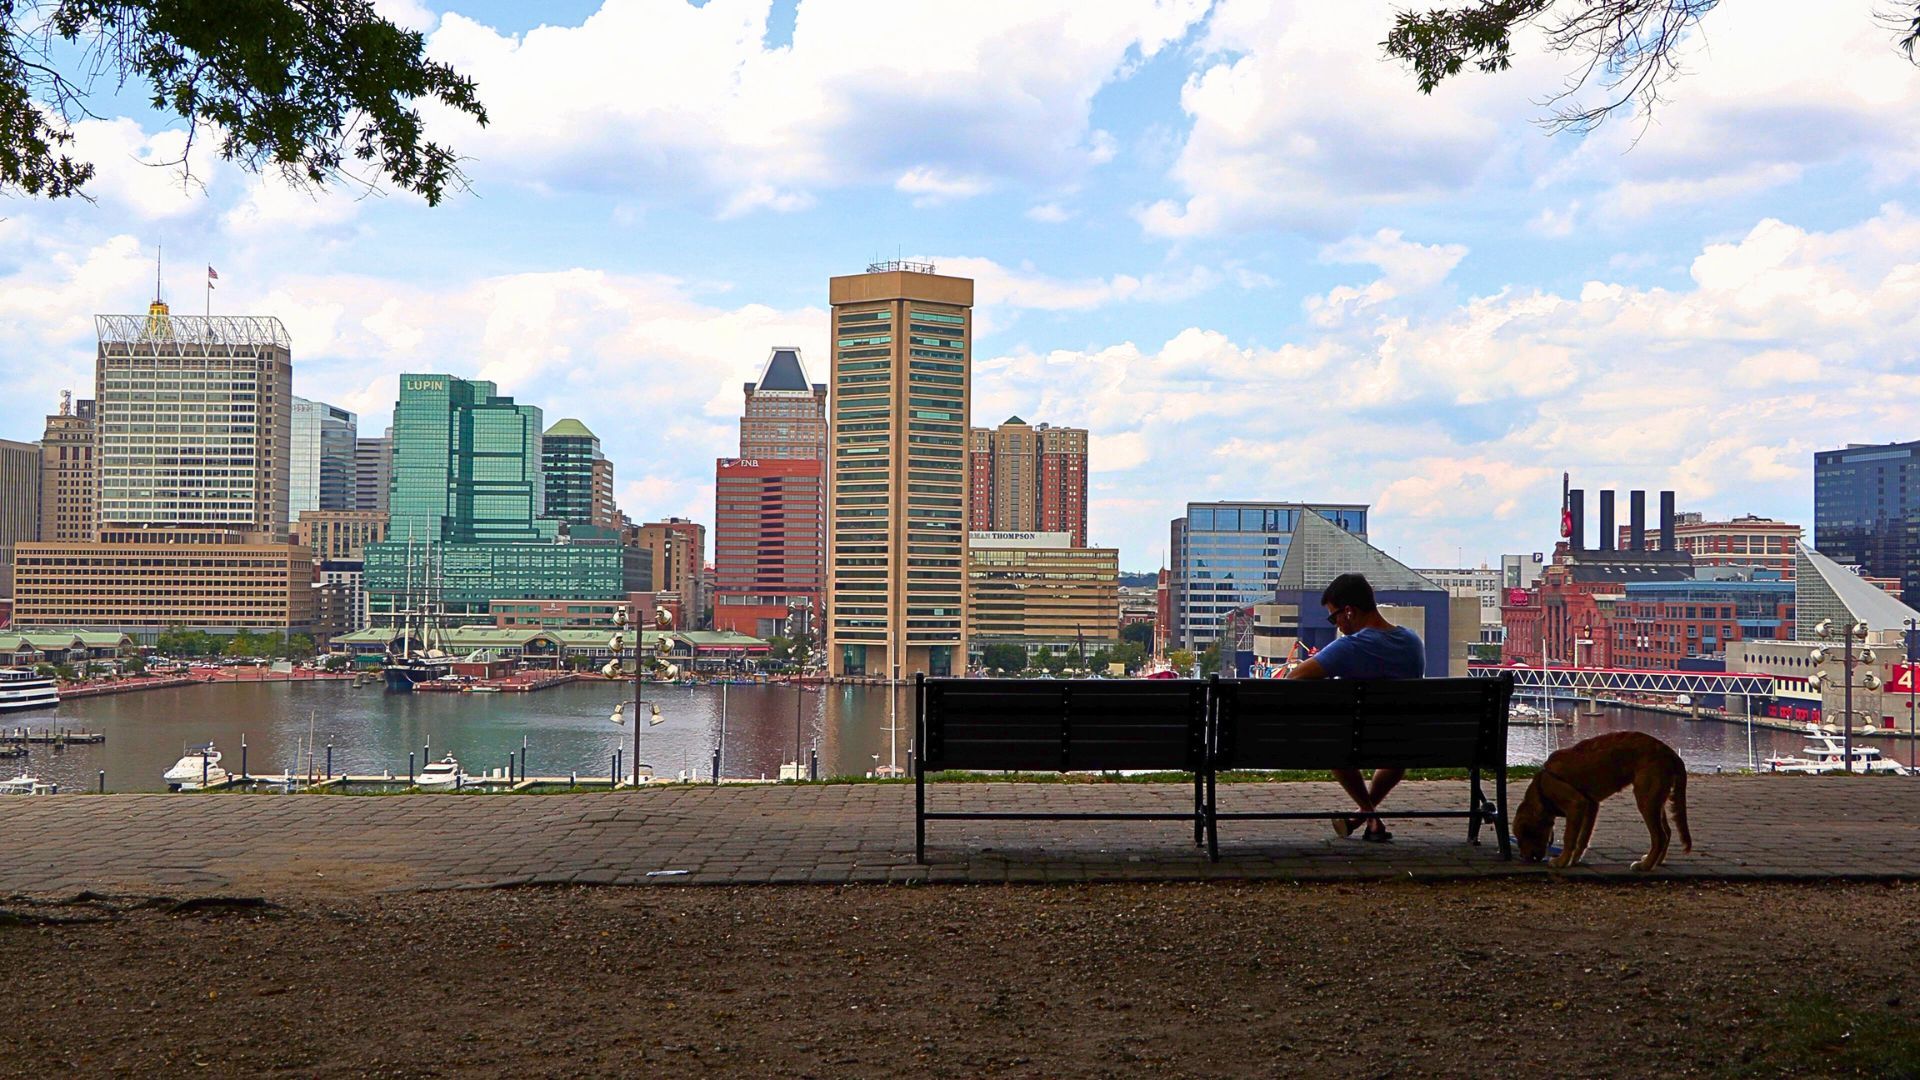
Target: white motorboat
22, 689
444, 773
198, 768
24, 785
1824, 753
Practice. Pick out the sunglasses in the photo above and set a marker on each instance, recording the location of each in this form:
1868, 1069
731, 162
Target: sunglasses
1333, 617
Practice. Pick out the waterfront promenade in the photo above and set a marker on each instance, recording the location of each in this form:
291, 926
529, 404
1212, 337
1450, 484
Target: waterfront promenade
1774, 828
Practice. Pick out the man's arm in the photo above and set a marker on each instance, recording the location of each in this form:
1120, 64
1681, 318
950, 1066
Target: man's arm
1307, 669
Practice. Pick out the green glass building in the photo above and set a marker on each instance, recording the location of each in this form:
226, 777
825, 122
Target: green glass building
467, 506
568, 451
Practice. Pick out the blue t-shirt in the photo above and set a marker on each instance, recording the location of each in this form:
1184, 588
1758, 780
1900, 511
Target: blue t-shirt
1375, 654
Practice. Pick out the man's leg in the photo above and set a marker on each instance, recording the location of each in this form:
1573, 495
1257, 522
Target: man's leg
1356, 790
1383, 782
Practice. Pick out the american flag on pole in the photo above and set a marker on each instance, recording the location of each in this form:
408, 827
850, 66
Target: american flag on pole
212, 276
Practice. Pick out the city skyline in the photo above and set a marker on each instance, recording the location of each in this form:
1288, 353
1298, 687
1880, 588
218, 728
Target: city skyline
1433, 316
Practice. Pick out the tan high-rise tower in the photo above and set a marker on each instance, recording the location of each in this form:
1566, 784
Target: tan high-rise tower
67, 476
897, 532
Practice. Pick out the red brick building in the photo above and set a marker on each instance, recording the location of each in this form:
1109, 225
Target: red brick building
1748, 540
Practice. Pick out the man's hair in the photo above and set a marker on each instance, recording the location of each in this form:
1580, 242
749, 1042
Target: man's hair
1349, 590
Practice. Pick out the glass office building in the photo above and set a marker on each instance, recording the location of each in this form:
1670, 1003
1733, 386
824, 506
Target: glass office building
1866, 511
465, 512
321, 465
1227, 556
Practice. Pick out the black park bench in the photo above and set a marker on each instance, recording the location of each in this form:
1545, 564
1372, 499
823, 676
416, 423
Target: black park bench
1365, 724
1204, 727
1059, 725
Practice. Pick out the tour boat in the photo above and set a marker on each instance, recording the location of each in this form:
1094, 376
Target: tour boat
1824, 753
24, 785
198, 768
22, 689
443, 773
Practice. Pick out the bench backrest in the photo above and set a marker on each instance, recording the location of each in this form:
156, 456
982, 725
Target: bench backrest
1361, 724
1063, 724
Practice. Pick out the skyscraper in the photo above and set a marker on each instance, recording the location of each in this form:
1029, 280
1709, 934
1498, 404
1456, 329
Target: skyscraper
372, 472
897, 535
195, 416
568, 453
679, 562
769, 526
785, 416
465, 524
19, 503
321, 465
67, 473
1029, 479
1866, 510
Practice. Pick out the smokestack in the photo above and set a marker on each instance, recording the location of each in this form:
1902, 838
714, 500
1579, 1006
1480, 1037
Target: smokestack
1577, 517
1637, 520
1606, 521
1666, 522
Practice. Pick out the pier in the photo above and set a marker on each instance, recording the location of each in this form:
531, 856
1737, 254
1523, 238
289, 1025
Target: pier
49, 736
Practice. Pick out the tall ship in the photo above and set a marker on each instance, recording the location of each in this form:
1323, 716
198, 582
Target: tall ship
21, 689
421, 658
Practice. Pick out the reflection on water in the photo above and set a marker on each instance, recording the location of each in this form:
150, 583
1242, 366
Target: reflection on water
566, 729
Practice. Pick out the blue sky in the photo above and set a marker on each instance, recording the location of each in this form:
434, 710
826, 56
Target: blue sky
1227, 237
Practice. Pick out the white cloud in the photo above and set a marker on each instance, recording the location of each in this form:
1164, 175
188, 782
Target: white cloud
1049, 213
997, 286
140, 172
651, 93
1406, 268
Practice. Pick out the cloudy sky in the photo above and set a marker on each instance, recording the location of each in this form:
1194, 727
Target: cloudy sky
1227, 237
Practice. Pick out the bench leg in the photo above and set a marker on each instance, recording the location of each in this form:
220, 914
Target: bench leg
1199, 809
1213, 818
1476, 802
1500, 813
919, 815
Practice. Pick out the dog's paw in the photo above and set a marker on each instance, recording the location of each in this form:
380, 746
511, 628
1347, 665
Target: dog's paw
1643, 864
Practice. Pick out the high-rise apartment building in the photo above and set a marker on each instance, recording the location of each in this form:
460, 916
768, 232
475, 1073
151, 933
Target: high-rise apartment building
769, 528
19, 503
571, 462
785, 416
372, 472
464, 521
1227, 555
678, 561
195, 416
321, 465
1866, 510
897, 532
192, 423
606, 511
67, 475
1028, 479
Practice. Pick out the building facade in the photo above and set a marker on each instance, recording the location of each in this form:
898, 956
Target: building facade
1484, 584
1040, 591
1749, 540
1657, 625
322, 458
897, 541
785, 416
677, 564
1227, 556
569, 460
67, 474
1025, 478
372, 472
142, 589
769, 545
20, 503
195, 417
1866, 510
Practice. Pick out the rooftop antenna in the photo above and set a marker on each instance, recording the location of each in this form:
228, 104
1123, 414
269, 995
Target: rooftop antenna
156, 273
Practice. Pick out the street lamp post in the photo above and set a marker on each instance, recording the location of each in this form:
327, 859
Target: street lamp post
1848, 658
663, 619
1913, 687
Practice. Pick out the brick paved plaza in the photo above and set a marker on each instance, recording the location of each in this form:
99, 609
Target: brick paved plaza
1744, 828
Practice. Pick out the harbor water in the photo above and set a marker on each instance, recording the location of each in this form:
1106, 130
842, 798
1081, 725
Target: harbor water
567, 730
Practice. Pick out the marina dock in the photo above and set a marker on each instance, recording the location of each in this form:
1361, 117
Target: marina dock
49, 736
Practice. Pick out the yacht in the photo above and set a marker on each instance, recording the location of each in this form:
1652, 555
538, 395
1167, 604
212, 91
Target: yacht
1824, 753
444, 773
198, 768
24, 785
22, 689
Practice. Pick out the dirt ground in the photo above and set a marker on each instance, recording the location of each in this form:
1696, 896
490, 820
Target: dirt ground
1511, 978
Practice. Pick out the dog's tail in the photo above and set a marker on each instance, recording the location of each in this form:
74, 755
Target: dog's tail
1680, 809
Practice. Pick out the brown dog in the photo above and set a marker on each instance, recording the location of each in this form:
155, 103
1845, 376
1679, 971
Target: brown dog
1575, 780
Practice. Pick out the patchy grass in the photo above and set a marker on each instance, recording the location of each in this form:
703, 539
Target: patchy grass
1231, 776
1818, 1035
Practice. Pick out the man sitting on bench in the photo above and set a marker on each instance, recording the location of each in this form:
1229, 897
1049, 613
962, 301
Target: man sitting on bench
1369, 647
